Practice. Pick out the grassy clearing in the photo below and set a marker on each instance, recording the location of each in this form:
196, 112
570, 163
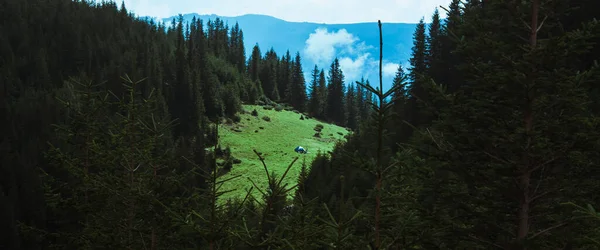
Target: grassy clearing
276, 140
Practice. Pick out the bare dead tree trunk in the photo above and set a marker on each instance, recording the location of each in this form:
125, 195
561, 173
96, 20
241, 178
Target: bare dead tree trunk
525, 177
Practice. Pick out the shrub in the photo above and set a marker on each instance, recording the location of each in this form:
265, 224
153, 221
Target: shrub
318, 127
236, 118
301, 117
266, 118
268, 107
254, 112
228, 165
278, 108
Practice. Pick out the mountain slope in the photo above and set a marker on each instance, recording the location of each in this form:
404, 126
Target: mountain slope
357, 46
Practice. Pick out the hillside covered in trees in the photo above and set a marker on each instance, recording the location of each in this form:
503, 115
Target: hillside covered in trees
490, 140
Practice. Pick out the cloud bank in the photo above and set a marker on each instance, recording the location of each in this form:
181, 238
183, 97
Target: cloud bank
355, 57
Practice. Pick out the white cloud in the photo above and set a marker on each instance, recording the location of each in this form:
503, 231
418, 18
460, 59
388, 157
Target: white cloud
353, 69
389, 69
321, 45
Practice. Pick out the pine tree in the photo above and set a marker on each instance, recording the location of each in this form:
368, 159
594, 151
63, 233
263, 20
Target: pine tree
352, 112
418, 77
315, 101
284, 76
435, 48
322, 95
335, 94
254, 63
297, 94
449, 37
400, 129
268, 74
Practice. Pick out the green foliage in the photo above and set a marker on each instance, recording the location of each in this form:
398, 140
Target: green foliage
110, 171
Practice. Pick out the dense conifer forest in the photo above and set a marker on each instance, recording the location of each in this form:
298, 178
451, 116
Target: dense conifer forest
490, 140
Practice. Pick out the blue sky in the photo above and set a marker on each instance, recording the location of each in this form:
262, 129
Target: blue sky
320, 11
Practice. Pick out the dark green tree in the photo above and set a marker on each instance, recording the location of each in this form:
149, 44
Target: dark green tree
297, 93
315, 101
334, 110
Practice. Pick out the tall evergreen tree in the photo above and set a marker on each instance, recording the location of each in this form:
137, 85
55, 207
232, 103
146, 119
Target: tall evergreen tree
401, 131
297, 93
315, 101
449, 38
268, 74
352, 112
284, 76
418, 77
322, 94
434, 53
335, 94
254, 63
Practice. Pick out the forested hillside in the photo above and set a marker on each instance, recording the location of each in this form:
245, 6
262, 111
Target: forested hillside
490, 140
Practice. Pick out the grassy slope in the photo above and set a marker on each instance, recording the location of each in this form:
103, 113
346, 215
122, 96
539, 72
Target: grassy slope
276, 141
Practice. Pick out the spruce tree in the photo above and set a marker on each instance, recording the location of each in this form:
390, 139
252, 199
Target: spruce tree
434, 53
297, 93
284, 76
450, 36
335, 94
254, 63
315, 101
322, 94
352, 112
418, 77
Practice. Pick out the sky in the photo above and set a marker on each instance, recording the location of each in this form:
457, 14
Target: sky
318, 11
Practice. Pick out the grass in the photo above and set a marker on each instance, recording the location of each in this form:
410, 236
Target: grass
276, 140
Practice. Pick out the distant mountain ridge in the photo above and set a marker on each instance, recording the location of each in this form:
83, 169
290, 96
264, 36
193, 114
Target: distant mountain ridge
357, 48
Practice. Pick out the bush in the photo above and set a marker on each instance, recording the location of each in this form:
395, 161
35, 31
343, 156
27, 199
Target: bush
301, 117
317, 134
268, 107
228, 165
278, 108
236, 118
254, 112
318, 127
266, 118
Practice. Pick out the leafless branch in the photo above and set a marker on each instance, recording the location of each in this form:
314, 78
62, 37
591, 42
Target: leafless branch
547, 230
485, 241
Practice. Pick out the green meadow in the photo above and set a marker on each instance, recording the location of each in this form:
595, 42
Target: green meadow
276, 140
